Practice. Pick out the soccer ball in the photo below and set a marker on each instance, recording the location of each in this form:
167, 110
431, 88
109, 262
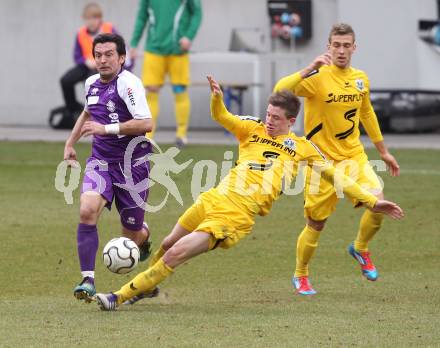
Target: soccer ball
121, 255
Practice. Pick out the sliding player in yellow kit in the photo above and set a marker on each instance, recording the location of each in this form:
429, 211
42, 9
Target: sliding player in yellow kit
336, 100
223, 215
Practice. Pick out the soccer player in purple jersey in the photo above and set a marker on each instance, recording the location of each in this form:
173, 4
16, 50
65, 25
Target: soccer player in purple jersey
115, 113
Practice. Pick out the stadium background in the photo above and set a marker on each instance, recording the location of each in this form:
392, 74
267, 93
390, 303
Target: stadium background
38, 39
242, 298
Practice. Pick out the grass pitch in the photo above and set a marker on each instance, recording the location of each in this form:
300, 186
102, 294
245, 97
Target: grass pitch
236, 298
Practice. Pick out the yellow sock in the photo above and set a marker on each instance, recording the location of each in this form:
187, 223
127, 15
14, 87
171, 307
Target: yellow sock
156, 256
153, 104
370, 224
305, 248
144, 281
183, 106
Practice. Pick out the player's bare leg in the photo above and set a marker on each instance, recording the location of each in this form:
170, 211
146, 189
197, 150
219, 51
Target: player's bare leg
187, 247
137, 236
176, 234
91, 206
141, 238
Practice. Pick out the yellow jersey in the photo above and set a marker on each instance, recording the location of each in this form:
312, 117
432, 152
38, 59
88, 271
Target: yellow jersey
267, 163
336, 100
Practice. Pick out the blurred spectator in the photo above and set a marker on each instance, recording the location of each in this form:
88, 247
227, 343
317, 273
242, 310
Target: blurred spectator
83, 56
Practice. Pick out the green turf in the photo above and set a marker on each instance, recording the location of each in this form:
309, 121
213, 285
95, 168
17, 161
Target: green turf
236, 298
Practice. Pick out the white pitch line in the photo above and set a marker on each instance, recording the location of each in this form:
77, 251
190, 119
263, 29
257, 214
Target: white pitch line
420, 171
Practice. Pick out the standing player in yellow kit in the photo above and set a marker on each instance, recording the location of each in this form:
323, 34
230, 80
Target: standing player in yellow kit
171, 27
337, 98
224, 215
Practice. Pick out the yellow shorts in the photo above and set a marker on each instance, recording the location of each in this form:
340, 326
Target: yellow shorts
319, 205
215, 214
156, 67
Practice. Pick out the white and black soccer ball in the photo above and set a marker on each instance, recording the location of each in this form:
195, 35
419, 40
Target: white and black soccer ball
121, 255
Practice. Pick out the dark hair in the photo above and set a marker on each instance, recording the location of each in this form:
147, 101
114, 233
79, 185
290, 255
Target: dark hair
117, 39
341, 29
286, 100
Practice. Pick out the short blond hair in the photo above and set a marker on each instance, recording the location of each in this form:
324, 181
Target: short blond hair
341, 29
92, 10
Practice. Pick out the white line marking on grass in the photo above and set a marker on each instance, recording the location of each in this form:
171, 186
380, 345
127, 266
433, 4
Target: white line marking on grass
420, 171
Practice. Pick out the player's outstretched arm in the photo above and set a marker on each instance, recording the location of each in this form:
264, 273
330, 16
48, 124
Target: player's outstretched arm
218, 109
215, 87
388, 208
353, 190
220, 114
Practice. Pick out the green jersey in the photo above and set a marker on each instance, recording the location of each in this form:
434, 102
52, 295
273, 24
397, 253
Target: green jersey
168, 21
